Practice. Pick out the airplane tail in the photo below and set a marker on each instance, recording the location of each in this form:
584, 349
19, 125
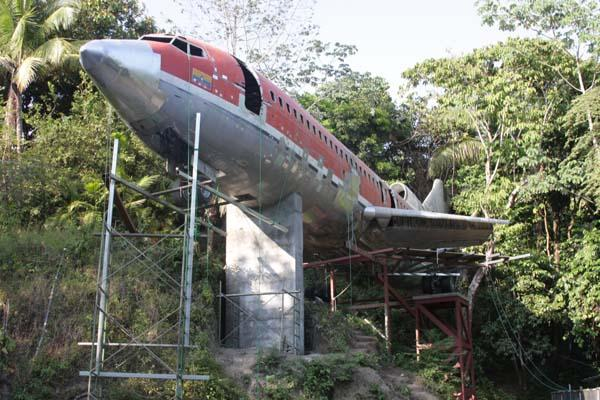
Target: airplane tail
436, 199
434, 202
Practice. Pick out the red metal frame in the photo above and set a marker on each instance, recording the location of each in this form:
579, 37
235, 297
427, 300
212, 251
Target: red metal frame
459, 330
422, 308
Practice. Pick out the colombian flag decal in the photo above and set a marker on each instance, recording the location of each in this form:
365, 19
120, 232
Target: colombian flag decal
201, 79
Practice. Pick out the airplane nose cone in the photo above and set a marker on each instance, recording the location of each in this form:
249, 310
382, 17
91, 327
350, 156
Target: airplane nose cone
91, 54
127, 72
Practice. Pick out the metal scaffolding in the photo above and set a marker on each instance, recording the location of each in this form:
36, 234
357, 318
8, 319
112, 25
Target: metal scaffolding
157, 339
290, 314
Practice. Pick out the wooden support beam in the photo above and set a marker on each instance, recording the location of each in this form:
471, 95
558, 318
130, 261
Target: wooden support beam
332, 299
398, 297
127, 221
370, 306
436, 321
386, 309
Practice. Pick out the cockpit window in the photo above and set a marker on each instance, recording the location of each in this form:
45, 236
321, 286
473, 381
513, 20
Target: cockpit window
196, 51
162, 39
181, 45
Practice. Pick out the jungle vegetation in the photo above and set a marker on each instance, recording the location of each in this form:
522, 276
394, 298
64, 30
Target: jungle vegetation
513, 129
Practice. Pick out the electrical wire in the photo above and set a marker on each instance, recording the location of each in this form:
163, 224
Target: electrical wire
550, 384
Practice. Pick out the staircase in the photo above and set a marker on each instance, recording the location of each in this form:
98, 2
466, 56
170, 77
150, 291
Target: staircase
362, 343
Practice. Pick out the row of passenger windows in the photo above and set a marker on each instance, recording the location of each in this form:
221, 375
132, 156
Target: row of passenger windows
323, 137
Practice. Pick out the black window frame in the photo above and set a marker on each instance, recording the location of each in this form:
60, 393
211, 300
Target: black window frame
192, 47
178, 41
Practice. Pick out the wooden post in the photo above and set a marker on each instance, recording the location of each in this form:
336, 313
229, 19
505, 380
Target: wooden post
386, 308
418, 331
460, 348
332, 299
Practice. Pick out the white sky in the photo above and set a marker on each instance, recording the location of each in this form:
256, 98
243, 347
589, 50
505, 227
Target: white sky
391, 35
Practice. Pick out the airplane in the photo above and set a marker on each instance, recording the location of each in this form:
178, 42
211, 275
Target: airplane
265, 145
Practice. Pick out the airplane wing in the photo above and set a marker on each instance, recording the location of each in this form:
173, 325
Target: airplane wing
426, 229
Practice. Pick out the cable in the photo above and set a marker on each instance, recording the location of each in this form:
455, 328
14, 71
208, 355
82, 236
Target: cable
550, 384
514, 330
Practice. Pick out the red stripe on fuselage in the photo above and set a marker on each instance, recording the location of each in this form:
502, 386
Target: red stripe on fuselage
287, 116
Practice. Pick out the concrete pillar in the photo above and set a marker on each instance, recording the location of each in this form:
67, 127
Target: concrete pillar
261, 259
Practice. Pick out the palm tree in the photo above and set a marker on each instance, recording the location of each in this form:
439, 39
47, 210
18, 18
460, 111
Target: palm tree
463, 151
30, 45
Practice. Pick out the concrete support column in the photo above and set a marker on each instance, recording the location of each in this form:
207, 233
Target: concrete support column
262, 260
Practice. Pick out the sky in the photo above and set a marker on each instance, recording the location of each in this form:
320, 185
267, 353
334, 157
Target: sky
391, 35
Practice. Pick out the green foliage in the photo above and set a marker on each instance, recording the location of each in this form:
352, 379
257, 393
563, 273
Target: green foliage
334, 329
580, 286
575, 23
268, 361
7, 345
464, 151
112, 19
318, 382
29, 38
359, 111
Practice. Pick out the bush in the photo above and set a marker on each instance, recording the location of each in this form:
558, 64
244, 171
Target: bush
318, 383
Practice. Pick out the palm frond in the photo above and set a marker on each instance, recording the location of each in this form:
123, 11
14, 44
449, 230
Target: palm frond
7, 63
19, 34
147, 181
27, 72
135, 203
78, 205
55, 51
61, 17
7, 23
453, 154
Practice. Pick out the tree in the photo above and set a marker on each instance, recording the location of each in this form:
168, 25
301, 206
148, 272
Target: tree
111, 19
506, 99
29, 46
574, 24
277, 37
360, 112
96, 19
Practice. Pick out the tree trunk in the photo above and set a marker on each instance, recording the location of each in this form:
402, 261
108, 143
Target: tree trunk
5, 387
547, 231
14, 118
556, 237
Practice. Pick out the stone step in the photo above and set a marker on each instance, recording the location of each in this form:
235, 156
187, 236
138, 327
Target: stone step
364, 338
362, 345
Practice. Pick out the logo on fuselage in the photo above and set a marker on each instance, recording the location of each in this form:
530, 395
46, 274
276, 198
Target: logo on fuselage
201, 79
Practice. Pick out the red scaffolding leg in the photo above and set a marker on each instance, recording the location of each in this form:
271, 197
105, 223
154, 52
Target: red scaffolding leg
459, 330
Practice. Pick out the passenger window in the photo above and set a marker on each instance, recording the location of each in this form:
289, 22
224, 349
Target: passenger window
288, 107
301, 118
272, 96
295, 115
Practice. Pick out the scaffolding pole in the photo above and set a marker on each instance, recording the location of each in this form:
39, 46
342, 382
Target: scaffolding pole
188, 260
172, 321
